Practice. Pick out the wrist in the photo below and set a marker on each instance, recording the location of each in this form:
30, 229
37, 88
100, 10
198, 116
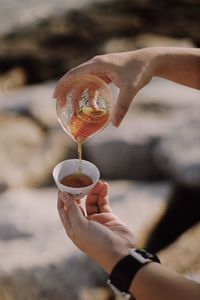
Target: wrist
153, 57
124, 272
116, 257
166, 58
112, 256
158, 59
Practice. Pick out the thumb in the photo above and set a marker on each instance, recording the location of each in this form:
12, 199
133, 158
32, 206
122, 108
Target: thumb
74, 212
124, 100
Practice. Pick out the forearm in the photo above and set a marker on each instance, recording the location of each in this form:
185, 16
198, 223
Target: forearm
181, 65
154, 282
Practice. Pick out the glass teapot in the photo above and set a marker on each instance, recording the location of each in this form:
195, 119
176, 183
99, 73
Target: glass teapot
87, 107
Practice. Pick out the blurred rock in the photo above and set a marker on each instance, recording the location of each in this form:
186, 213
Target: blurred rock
142, 41
27, 154
162, 113
50, 47
12, 79
153, 40
182, 212
36, 101
118, 45
126, 152
99, 293
40, 262
96, 294
166, 97
183, 255
178, 154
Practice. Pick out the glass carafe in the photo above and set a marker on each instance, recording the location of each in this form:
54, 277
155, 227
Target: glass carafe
87, 107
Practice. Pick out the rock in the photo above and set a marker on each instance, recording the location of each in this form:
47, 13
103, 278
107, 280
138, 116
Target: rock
182, 212
28, 155
126, 152
96, 294
48, 48
100, 293
12, 79
23, 14
39, 261
183, 255
35, 101
153, 40
132, 150
178, 154
177, 151
166, 97
32, 139
139, 205
118, 45
42, 107
142, 41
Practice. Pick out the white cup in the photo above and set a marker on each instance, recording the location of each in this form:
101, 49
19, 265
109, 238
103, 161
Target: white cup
71, 166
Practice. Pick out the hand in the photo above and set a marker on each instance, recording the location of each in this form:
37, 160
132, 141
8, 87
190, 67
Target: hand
101, 234
129, 71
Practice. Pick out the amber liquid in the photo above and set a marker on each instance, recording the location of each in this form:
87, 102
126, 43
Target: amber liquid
76, 180
80, 155
87, 122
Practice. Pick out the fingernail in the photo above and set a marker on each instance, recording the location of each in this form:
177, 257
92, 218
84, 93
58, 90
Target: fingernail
116, 122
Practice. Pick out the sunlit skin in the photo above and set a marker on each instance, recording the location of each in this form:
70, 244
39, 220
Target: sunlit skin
86, 230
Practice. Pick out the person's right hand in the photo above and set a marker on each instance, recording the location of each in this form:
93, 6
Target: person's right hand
100, 234
129, 71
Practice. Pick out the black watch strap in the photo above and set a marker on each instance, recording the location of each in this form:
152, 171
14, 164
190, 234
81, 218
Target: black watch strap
126, 269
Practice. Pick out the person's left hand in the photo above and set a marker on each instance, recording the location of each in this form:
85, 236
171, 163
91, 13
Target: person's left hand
101, 235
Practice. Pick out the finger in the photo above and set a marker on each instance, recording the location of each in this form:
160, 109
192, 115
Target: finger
103, 200
97, 200
61, 100
108, 219
62, 97
124, 100
91, 66
96, 189
93, 87
92, 97
92, 90
62, 213
91, 203
78, 201
76, 99
63, 88
74, 212
106, 79
62, 84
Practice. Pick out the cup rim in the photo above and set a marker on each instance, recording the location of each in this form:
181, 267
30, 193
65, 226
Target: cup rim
75, 160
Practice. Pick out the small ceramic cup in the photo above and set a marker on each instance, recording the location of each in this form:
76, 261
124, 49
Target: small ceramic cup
71, 166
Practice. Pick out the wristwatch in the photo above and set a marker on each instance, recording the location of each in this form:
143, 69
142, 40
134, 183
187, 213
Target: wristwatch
125, 270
